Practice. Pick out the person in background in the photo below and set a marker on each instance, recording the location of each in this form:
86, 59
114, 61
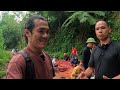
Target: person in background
74, 56
66, 57
74, 53
14, 51
74, 61
77, 70
55, 63
86, 53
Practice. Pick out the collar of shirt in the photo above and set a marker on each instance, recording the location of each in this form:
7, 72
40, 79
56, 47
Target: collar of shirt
41, 55
104, 46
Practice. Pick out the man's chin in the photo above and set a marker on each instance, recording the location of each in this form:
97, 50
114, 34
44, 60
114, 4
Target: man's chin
101, 38
42, 46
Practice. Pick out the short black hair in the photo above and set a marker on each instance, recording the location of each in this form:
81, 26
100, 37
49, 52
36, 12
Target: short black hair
30, 24
104, 21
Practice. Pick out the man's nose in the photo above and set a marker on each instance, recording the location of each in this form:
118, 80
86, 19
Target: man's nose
45, 34
100, 30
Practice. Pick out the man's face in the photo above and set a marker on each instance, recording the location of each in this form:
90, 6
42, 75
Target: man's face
94, 45
40, 34
102, 30
90, 44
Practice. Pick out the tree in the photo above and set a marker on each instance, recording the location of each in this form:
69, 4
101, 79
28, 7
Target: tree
1, 40
84, 19
11, 31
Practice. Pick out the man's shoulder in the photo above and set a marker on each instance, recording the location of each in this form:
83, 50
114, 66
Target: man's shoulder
17, 58
84, 49
116, 42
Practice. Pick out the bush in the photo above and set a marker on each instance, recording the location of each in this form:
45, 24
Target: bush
4, 58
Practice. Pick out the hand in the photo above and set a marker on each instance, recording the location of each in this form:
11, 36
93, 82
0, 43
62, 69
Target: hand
105, 77
82, 76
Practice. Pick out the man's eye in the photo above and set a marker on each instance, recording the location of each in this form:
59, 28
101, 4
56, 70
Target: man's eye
103, 27
97, 29
41, 31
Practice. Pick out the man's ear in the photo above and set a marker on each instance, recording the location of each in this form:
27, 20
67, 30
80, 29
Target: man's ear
110, 30
27, 33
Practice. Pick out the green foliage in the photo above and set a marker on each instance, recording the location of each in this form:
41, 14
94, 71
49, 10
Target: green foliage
2, 72
63, 42
113, 19
22, 44
11, 31
116, 31
11, 39
1, 40
97, 13
57, 54
4, 56
4, 59
83, 16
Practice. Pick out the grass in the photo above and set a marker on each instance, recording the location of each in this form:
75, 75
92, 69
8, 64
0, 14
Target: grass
2, 69
4, 59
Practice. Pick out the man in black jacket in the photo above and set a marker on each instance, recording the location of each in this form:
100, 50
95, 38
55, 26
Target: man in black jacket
87, 52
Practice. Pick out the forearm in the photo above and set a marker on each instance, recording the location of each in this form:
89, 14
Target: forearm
116, 77
89, 71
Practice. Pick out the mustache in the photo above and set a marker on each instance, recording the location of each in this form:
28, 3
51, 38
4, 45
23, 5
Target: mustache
43, 40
